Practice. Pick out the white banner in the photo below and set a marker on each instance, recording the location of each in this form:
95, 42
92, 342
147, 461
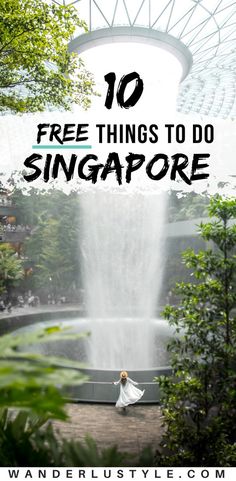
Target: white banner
101, 474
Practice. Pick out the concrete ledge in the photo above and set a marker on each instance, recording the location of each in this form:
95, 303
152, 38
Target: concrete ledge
10, 322
99, 389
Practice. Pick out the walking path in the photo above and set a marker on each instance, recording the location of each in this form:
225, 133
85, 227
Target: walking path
140, 427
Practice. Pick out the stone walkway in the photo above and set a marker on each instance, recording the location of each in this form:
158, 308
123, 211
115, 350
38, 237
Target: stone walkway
130, 432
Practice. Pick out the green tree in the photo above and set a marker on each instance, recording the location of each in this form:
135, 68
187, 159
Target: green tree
11, 269
51, 264
29, 384
23, 443
53, 245
199, 402
52, 248
36, 69
188, 206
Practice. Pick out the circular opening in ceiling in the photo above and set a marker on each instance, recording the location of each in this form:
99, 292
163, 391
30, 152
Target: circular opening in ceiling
136, 35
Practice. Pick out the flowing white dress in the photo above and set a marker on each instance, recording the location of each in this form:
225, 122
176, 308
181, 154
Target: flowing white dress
129, 394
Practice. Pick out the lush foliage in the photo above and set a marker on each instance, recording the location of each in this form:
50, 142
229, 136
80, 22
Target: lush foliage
23, 443
53, 247
199, 403
187, 206
36, 69
11, 269
32, 381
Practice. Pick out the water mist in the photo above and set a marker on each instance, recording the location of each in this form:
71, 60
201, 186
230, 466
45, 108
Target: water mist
123, 263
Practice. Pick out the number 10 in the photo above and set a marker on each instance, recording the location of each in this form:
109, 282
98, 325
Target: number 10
110, 78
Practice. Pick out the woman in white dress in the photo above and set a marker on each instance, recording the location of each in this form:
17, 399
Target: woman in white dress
129, 394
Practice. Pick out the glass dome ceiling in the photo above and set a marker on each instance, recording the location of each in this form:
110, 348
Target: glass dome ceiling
206, 27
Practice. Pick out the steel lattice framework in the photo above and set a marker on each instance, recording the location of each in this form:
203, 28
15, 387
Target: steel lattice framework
206, 28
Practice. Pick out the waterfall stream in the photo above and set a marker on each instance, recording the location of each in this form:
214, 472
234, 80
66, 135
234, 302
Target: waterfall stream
122, 264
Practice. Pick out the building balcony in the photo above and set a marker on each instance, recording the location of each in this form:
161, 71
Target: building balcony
8, 210
13, 236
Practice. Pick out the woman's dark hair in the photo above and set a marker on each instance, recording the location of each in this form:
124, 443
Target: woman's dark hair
123, 380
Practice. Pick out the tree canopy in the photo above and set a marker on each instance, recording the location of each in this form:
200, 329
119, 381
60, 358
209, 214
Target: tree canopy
199, 401
11, 269
36, 69
53, 246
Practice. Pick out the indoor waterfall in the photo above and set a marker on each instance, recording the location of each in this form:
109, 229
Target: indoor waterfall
123, 262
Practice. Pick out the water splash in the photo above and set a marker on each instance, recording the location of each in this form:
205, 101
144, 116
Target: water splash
123, 263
